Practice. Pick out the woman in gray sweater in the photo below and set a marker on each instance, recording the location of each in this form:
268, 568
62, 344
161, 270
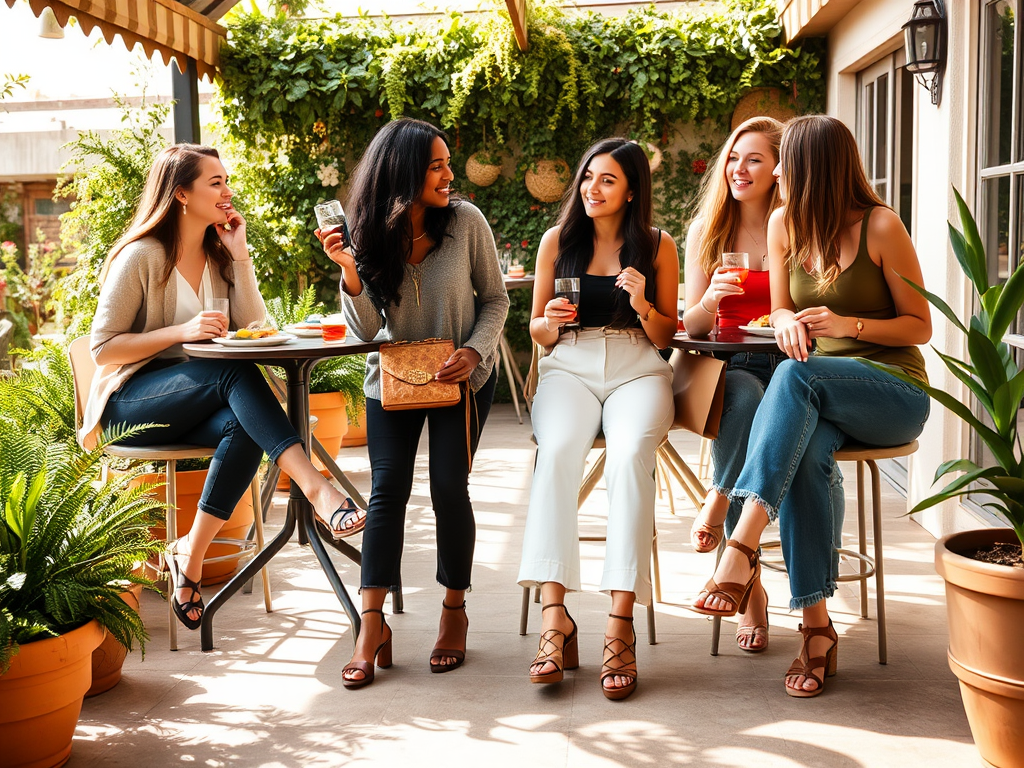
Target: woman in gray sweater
420, 266
187, 244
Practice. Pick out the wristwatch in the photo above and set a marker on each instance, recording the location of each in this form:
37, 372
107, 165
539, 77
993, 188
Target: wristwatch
860, 328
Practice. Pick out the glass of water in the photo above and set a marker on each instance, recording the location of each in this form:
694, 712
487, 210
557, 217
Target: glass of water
330, 219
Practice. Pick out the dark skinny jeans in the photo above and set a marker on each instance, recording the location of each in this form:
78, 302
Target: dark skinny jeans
392, 439
219, 404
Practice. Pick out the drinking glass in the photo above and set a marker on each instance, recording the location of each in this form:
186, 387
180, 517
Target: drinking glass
569, 287
737, 264
334, 328
216, 305
330, 218
504, 261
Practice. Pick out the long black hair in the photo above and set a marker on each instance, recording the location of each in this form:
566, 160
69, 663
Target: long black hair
639, 245
388, 178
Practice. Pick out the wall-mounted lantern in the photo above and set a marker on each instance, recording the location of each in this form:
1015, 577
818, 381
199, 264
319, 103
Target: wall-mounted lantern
925, 43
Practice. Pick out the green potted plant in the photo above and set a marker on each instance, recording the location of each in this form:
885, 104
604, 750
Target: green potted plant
335, 385
69, 543
983, 569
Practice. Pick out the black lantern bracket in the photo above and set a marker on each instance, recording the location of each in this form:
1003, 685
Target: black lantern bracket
925, 45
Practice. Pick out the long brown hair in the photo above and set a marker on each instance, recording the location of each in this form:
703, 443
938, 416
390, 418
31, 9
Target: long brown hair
825, 182
158, 214
719, 211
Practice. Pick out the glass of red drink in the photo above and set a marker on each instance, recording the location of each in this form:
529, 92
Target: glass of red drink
334, 328
737, 264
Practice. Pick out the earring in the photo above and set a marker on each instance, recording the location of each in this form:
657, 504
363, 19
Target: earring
184, 209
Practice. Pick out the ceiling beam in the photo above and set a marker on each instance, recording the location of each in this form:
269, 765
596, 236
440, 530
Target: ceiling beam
517, 12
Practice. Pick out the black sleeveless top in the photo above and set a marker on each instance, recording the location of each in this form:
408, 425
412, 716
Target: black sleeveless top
597, 299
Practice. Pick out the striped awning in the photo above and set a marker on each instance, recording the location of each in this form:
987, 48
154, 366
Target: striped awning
166, 27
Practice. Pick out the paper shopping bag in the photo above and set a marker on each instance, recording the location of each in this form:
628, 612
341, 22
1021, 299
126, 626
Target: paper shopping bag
698, 388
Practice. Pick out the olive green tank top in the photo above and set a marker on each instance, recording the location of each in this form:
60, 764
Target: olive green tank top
859, 291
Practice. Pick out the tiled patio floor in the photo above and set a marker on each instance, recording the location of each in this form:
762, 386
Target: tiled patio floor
271, 693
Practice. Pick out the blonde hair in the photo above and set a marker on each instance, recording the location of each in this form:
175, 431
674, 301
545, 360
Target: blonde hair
719, 213
158, 214
825, 181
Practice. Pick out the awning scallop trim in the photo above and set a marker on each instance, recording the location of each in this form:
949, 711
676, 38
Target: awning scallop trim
178, 33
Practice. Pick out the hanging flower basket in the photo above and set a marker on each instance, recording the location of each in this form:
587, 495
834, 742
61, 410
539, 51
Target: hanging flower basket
546, 180
482, 169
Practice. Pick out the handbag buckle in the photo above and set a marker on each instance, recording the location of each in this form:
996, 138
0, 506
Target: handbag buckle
416, 376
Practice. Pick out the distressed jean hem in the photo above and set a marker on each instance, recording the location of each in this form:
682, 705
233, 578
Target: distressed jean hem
742, 496
806, 601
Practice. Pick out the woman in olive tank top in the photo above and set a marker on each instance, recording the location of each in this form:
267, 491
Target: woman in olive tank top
838, 256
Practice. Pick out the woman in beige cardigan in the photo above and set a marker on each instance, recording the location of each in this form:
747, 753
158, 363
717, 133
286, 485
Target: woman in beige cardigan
187, 244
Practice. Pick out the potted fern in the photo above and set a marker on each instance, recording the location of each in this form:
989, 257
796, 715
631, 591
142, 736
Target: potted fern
335, 385
983, 569
69, 543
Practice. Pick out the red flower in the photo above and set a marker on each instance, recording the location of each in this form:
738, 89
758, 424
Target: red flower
472, 195
699, 166
534, 207
525, 243
508, 245
379, 113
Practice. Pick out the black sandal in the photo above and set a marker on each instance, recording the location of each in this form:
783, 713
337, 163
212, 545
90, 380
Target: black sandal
339, 517
178, 581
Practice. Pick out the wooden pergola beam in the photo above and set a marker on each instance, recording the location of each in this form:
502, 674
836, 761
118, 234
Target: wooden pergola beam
517, 12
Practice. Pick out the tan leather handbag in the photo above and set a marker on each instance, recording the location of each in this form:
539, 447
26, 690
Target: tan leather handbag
407, 371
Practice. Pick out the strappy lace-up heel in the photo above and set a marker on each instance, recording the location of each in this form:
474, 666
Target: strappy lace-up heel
561, 650
805, 666
617, 650
735, 593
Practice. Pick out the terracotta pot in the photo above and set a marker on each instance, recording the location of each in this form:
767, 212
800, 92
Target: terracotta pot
356, 434
41, 698
985, 606
190, 488
331, 426
108, 659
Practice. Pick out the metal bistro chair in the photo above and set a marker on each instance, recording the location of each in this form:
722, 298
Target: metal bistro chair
590, 481
83, 370
868, 565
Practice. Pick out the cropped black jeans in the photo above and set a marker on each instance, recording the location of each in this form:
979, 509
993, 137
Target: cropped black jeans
392, 439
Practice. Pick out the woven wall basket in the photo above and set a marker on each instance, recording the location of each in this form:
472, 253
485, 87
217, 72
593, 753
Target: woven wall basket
770, 102
547, 179
481, 174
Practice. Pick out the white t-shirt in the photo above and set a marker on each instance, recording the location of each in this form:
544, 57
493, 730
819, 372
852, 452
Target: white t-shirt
189, 304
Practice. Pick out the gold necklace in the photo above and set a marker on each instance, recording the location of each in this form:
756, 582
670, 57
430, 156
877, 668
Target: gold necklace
759, 246
414, 273
420, 237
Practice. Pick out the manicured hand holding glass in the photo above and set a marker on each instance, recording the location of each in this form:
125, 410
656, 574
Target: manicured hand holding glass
558, 312
204, 326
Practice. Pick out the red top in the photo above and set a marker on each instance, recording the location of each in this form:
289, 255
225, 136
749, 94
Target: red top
756, 300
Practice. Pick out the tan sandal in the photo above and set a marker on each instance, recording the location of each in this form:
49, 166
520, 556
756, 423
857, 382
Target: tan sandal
746, 636
562, 654
382, 657
712, 532
438, 655
626, 663
734, 592
805, 666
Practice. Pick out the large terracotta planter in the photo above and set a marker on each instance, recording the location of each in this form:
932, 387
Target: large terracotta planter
108, 659
190, 488
41, 698
356, 434
985, 606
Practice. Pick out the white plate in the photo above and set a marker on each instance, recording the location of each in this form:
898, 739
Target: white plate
758, 330
305, 333
267, 341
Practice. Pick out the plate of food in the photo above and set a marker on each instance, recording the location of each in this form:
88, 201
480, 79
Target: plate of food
254, 337
305, 330
759, 326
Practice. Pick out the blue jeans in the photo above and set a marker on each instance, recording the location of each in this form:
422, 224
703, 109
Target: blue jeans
809, 411
746, 380
219, 404
392, 439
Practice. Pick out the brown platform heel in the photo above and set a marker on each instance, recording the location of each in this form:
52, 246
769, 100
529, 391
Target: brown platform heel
736, 593
382, 657
626, 656
805, 666
440, 653
563, 654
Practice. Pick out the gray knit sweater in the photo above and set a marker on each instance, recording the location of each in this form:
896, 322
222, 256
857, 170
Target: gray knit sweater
461, 275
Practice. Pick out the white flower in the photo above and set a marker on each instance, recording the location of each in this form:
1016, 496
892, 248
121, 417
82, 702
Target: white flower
328, 175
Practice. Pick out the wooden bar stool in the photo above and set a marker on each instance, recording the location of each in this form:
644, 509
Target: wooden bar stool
868, 565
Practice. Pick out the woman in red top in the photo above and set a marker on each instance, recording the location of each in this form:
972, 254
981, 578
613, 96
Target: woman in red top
737, 199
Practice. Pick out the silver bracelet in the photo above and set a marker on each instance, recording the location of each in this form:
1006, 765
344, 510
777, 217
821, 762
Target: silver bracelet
709, 311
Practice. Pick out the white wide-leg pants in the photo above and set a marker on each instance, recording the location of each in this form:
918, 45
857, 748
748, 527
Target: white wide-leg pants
597, 380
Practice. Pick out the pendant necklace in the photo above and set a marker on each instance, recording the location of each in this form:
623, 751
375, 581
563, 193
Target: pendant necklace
764, 256
414, 273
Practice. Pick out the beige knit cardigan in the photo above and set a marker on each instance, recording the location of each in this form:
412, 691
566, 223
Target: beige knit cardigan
135, 298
